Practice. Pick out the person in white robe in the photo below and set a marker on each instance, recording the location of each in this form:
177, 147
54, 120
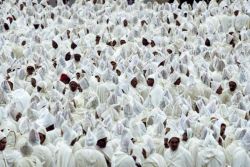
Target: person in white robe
210, 153
27, 159
122, 157
152, 158
89, 156
241, 157
177, 156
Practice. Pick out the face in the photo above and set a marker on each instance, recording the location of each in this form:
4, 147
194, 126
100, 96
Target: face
39, 89
114, 65
184, 136
144, 153
177, 82
54, 44
33, 82
125, 23
166, 143
145, 42
11, 85
102, 142
150, 82
219, 90
97, 39
232, 86
30, 70
73, 142
134, 82
78, 75
174, 143
236, 13
50, 128
118, 72
152, 43
222, 129
98, 78
42, 138
77, 57
73, 86
18, 116
122, 42
3, 143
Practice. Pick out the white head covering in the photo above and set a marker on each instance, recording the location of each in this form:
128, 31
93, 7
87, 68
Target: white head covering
126, 144
101, 133
90, 139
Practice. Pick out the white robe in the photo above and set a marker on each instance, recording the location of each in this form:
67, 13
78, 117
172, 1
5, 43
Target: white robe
89, 157
211, 157
241, 158
64, 156
179, 158
3, 161
154, 160
121, 159
44, 155
31, 161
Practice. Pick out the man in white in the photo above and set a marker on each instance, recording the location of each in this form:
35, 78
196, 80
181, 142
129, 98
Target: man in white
152, 159
177, 156
122, 158
241, 157
89, 156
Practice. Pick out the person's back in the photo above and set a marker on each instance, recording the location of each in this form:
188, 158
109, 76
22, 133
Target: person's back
122, 159
88, 157
178, 158
154, 160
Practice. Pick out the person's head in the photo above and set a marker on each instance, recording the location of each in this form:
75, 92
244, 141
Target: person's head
33, 82
42, 137
118, 72
134, 82
166, 143
73, 45
236, 12
125, 23
114, 65
145, 42
3, 143
73, 86
97, 39
98, 78
73, 142
185, 136
18, 116
219, 90
232, 86
54, 44
152, 43
30, 70
150, 82
174, 143
178, 81
77, 57
223, 129
50, 128
144, 153
67, 56
65, 78
102, 142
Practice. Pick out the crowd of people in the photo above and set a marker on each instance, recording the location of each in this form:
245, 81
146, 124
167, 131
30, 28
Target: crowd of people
107, 84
